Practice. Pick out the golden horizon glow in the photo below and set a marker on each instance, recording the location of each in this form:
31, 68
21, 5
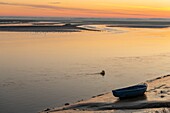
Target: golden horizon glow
88, 8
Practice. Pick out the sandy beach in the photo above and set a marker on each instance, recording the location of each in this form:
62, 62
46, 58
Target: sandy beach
155, 100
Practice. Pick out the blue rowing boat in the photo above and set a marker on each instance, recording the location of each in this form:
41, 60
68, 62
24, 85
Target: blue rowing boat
132, 91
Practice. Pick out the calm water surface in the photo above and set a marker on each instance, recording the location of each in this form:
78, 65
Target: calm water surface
40, 70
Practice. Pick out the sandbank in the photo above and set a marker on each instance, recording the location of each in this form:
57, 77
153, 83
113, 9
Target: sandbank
156, 99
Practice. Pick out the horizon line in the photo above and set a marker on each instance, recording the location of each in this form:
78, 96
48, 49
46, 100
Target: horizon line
87, 17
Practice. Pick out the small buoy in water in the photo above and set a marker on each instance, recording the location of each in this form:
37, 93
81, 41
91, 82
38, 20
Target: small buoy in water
102, 73
66, 104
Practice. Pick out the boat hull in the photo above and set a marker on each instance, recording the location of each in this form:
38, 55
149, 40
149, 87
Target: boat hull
132, 91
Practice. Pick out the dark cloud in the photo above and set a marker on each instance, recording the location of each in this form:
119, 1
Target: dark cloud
73, 9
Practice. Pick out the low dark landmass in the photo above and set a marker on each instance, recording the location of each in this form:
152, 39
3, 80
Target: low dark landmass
44, 28
89, 21
72, 25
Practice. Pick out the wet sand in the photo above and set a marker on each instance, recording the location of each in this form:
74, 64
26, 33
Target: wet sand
156, 99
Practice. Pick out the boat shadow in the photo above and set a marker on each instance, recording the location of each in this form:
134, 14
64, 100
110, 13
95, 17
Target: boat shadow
132, 99
119, 104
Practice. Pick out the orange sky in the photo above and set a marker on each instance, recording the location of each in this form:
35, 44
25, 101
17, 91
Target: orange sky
87, 8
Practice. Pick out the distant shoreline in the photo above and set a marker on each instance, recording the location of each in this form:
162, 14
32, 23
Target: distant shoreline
64, 28
71, 25
71, 28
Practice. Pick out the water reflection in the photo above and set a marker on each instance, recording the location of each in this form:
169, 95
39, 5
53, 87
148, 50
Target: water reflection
47, 70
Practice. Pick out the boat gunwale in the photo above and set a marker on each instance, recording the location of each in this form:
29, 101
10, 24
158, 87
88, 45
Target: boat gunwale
130, 89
